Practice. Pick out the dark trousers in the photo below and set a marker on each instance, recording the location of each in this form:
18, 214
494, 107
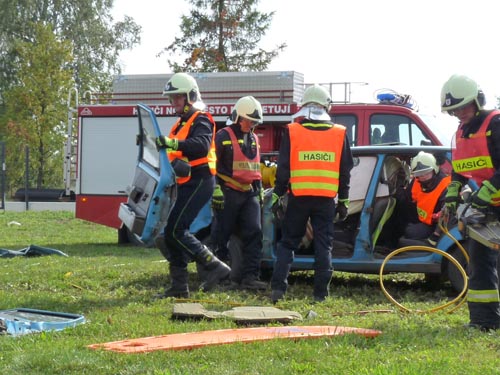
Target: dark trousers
483, 277
242, 216
182, 246
418, 231
321, 211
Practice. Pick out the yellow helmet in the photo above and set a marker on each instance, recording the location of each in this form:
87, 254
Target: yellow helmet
460, 90
182, 83
317, 94
247, 107
423, 163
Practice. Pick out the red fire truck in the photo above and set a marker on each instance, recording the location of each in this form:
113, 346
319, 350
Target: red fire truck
101, 151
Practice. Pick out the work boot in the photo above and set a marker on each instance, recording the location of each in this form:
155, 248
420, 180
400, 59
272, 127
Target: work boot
277, 295
482, 327
215, 270
252, 283
178, 284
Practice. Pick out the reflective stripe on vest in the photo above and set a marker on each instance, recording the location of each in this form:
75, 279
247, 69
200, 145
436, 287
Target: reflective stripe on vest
426, 200
315, 160
182, 135
470, 156
483, 296
245, 170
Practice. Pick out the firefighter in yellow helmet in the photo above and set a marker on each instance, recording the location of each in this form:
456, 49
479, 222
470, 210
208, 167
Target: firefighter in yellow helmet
238, 193
476, 161
190, 144
314, 167
424, 198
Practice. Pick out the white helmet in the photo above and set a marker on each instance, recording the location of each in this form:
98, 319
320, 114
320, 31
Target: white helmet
247, 107
423, 163
317, 94
460, 90
182, 83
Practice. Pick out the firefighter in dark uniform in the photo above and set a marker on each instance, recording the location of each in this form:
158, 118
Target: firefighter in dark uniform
238, 194
476, 155
314, 166
190, 143
424, 199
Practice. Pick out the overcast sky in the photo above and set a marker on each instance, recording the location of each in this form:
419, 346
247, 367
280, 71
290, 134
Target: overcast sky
408, 46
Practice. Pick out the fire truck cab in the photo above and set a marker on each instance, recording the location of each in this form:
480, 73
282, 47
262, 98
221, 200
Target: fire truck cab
101, 151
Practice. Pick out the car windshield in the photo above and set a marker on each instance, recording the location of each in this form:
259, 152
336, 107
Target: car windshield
443, 126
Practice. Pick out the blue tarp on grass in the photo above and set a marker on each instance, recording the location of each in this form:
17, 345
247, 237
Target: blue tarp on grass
31, 250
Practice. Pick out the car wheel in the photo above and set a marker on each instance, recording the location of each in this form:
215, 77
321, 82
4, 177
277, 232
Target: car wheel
451, 271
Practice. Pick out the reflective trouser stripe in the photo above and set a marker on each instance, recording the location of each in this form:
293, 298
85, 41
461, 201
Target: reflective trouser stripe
484, 296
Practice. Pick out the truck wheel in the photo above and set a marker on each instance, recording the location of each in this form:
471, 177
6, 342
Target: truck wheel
451, 271
126, 237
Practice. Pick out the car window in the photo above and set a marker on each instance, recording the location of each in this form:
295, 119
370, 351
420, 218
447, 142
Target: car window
351, 124
148, 152
396, 129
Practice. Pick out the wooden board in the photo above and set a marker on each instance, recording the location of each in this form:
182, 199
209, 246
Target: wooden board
191, 340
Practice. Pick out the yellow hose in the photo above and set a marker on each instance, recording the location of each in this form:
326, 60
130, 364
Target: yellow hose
458, 301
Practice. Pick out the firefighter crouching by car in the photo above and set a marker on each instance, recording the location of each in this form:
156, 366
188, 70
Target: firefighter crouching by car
424, 198
314, 164
476, 155
238, 194
190, 144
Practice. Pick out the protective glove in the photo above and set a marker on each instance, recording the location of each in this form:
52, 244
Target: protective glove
452, 198
218, 198
166, 142
481, 198
261, 196
342, 207
277, 206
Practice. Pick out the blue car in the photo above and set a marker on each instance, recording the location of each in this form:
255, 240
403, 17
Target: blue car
361, 243
368, 236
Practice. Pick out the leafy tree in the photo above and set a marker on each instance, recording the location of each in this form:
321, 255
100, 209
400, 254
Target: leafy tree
88, 24
36, 107
222, 36
33, 96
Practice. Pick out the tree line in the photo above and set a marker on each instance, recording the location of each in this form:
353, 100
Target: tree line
50, 47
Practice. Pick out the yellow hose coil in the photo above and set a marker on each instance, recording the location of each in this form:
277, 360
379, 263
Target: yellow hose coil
458, 301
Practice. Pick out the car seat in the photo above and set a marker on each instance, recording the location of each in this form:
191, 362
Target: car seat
376, 136
395, 174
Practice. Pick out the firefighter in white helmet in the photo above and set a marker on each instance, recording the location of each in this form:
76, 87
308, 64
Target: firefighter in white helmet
238, 194
424, 198
314, 166
476, 160
190, 145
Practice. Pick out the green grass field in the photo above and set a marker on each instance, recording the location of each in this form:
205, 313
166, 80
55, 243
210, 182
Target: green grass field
113, 287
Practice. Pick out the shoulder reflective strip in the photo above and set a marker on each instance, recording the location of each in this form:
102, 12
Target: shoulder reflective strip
310, 125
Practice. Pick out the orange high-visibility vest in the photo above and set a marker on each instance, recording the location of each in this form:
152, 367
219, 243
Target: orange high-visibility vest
182, 135
245, 170
426, 200
471, 157
315, 160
